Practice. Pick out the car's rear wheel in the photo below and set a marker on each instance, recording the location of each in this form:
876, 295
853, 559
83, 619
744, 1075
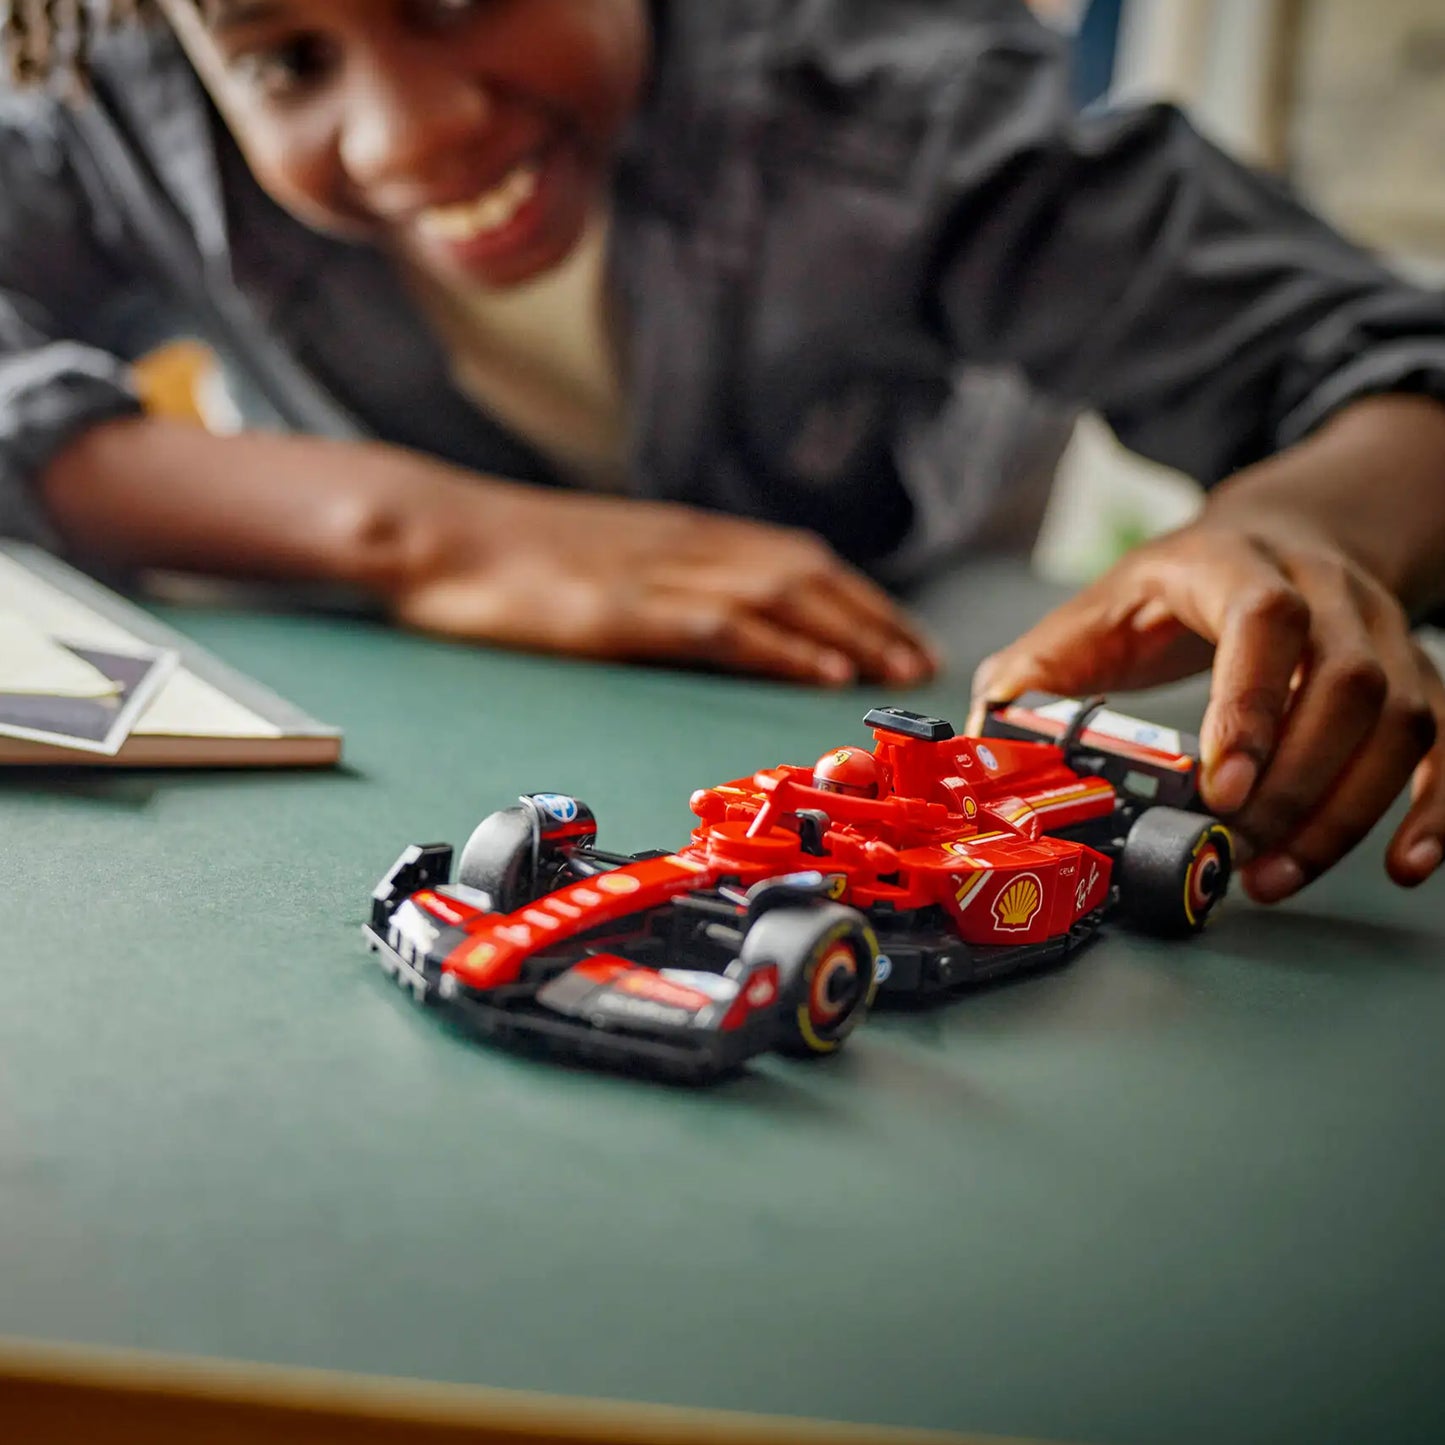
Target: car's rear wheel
827, 962
1174, 870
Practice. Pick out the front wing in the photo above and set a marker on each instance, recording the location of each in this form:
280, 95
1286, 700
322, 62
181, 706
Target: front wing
603, 1010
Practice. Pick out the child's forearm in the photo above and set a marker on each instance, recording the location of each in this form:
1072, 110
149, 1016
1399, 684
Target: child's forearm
156, 493
1372, 479
481, 558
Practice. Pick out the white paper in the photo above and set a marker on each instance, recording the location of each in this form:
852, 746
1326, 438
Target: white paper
189, 708
33, 663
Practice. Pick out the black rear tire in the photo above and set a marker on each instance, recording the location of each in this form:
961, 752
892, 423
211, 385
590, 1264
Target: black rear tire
827, 961
1174, 870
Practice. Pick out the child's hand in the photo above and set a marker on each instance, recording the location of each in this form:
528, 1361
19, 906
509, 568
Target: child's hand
1322, 704
607, 577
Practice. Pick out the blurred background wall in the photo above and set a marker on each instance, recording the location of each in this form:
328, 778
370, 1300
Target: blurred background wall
1344, 99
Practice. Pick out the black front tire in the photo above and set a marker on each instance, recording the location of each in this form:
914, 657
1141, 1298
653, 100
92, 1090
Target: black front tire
1174, 871
827, 961
503, 859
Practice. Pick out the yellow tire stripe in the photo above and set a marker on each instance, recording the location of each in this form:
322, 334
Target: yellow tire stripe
869, 941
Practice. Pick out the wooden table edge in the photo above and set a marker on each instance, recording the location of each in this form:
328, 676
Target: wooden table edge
52, 1393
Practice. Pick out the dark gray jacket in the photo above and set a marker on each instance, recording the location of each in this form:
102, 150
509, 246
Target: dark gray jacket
871, 260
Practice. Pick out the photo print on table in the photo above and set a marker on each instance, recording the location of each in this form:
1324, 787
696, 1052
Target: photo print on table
85, 698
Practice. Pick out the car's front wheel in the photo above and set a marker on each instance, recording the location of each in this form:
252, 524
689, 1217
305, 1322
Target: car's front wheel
518, 854
1174, 870
827, 962
501, 859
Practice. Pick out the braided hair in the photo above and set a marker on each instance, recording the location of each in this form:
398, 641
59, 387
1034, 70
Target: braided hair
46, 40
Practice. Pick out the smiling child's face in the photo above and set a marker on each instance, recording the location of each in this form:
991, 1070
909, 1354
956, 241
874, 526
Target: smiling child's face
475, 135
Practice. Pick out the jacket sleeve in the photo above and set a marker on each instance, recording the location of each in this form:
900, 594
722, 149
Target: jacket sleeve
1123, 261
55, 275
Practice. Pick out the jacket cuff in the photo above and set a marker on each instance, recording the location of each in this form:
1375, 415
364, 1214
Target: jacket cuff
47, 398
1413, 368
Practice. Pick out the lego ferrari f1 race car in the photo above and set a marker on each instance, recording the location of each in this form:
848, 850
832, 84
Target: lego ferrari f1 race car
928, 861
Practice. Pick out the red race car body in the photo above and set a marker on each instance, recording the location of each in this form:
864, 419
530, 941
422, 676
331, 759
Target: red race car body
934, 861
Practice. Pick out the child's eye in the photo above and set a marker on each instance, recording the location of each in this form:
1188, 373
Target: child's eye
284, 71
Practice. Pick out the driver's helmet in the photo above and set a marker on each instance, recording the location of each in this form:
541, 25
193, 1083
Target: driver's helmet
853, 771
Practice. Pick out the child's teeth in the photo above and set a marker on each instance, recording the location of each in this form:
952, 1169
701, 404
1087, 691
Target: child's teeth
489, 212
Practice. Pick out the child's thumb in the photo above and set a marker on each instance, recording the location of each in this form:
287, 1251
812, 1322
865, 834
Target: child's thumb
1140, 625
1077, 648
1001, 678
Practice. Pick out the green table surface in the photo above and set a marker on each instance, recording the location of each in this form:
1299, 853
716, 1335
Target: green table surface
1169, 1193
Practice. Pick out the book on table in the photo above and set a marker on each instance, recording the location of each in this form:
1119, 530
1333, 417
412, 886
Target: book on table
86, 677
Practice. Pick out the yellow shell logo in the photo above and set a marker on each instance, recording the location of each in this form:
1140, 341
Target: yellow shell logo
618, 884
1015, 907
969, 807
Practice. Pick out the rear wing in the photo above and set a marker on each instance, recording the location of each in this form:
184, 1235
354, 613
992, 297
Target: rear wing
1151, 764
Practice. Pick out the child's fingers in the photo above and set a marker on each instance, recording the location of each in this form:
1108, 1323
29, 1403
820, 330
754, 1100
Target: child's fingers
1418, 846
869, 601
755, 645
695, 630
820, 615
1153, 618
1077, 648
872, 607
1335, 709
1339, 791
807, 594
1233, 595
1138, 626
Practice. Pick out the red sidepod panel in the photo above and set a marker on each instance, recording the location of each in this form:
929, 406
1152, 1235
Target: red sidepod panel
1001, 889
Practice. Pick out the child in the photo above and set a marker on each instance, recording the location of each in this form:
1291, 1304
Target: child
648, 330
